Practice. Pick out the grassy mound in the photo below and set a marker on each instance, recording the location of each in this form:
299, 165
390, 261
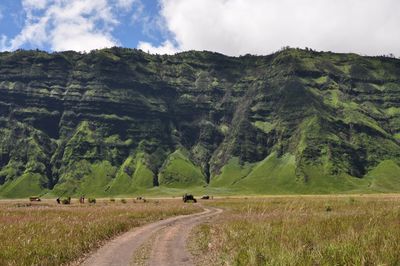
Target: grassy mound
180, 171
29, 184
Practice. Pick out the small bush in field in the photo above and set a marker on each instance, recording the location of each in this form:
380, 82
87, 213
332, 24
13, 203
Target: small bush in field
66, 201
328, 208
112, 200
123, 201
352, 200
92, 200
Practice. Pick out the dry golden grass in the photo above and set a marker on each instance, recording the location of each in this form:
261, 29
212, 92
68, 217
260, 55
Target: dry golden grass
49, 234
311, 230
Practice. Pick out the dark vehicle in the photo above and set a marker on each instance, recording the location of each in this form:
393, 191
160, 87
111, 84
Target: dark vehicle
34, 198
37, 198
188, 197
205, 197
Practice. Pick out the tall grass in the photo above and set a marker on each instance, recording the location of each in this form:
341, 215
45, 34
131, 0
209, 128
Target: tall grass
303, 231
48, 234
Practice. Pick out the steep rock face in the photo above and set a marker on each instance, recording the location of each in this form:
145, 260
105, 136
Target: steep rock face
117, 120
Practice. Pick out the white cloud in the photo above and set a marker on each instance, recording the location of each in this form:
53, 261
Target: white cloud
80, 25
232, 27
127, 4
139, 10
237, 27
34, 33
34, 4
165, 48
79, 37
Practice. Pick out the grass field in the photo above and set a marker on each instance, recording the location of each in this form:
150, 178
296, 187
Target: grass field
275, 230
302, 230
49, 234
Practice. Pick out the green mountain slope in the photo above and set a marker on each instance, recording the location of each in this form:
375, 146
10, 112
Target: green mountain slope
119, 121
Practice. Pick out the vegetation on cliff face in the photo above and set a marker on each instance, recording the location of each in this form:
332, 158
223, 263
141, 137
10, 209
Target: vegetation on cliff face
116, 121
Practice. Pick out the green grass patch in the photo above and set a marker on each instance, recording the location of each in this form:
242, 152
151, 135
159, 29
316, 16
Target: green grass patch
180, 171
385, 177
231, 173
266, 127
393, 111
272, 175
29, 184
134, 174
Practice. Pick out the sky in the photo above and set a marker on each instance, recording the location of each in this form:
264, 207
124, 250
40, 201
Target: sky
232, 27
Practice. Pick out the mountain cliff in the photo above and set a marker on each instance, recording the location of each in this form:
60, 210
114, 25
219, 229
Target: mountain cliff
117, 121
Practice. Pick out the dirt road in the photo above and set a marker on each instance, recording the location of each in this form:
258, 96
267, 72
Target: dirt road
169, 247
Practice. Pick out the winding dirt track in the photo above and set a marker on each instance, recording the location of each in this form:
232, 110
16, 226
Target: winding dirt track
169, 247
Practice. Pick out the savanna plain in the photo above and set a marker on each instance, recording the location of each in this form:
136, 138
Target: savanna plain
302, 230
275, 230
49, 234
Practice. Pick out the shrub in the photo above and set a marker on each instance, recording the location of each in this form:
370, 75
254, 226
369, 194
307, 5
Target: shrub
92, 200
66, 201
123, 201
112, 200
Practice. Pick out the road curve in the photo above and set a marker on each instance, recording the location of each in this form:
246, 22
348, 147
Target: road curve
170, 247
